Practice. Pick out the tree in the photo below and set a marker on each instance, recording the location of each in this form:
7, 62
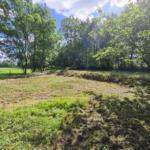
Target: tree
29, 34
47, 37
17, 44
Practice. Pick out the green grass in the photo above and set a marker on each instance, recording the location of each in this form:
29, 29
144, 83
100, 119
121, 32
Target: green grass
38, 125
8, 72
50, 111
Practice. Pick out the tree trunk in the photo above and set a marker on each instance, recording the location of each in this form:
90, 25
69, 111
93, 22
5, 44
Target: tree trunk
25, 71
42, 68
86, 59
26, 65
147, 62
34, 68
148, 65
22, 65
131, 56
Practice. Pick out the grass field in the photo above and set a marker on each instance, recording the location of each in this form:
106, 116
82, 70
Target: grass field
61, 110
5, 72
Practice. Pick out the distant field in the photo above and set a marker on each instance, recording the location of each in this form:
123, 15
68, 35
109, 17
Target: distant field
11, 71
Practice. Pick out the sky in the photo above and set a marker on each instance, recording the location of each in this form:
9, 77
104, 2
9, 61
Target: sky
82, 8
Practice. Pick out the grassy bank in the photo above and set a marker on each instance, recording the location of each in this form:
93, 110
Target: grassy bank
51, 111
124, 78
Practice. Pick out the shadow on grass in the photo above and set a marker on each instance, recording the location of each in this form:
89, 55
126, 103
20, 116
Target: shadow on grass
115, 124
16, 76
130, 120
4, 76
9, 76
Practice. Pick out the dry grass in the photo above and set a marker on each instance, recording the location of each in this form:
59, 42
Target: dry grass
47, 86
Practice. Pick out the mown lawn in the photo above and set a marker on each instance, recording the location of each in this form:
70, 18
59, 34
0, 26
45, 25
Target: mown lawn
50, 111
7, 72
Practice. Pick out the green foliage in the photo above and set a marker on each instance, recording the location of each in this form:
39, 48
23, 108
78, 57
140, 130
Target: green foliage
109, 41
30, 35
7, 64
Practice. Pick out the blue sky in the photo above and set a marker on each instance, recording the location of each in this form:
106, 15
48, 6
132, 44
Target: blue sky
82, 8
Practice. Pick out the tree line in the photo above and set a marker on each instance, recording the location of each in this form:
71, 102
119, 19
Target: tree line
7, 64
109, 41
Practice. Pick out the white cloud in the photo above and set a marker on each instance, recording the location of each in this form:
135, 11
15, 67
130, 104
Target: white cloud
120, 3
80, 8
